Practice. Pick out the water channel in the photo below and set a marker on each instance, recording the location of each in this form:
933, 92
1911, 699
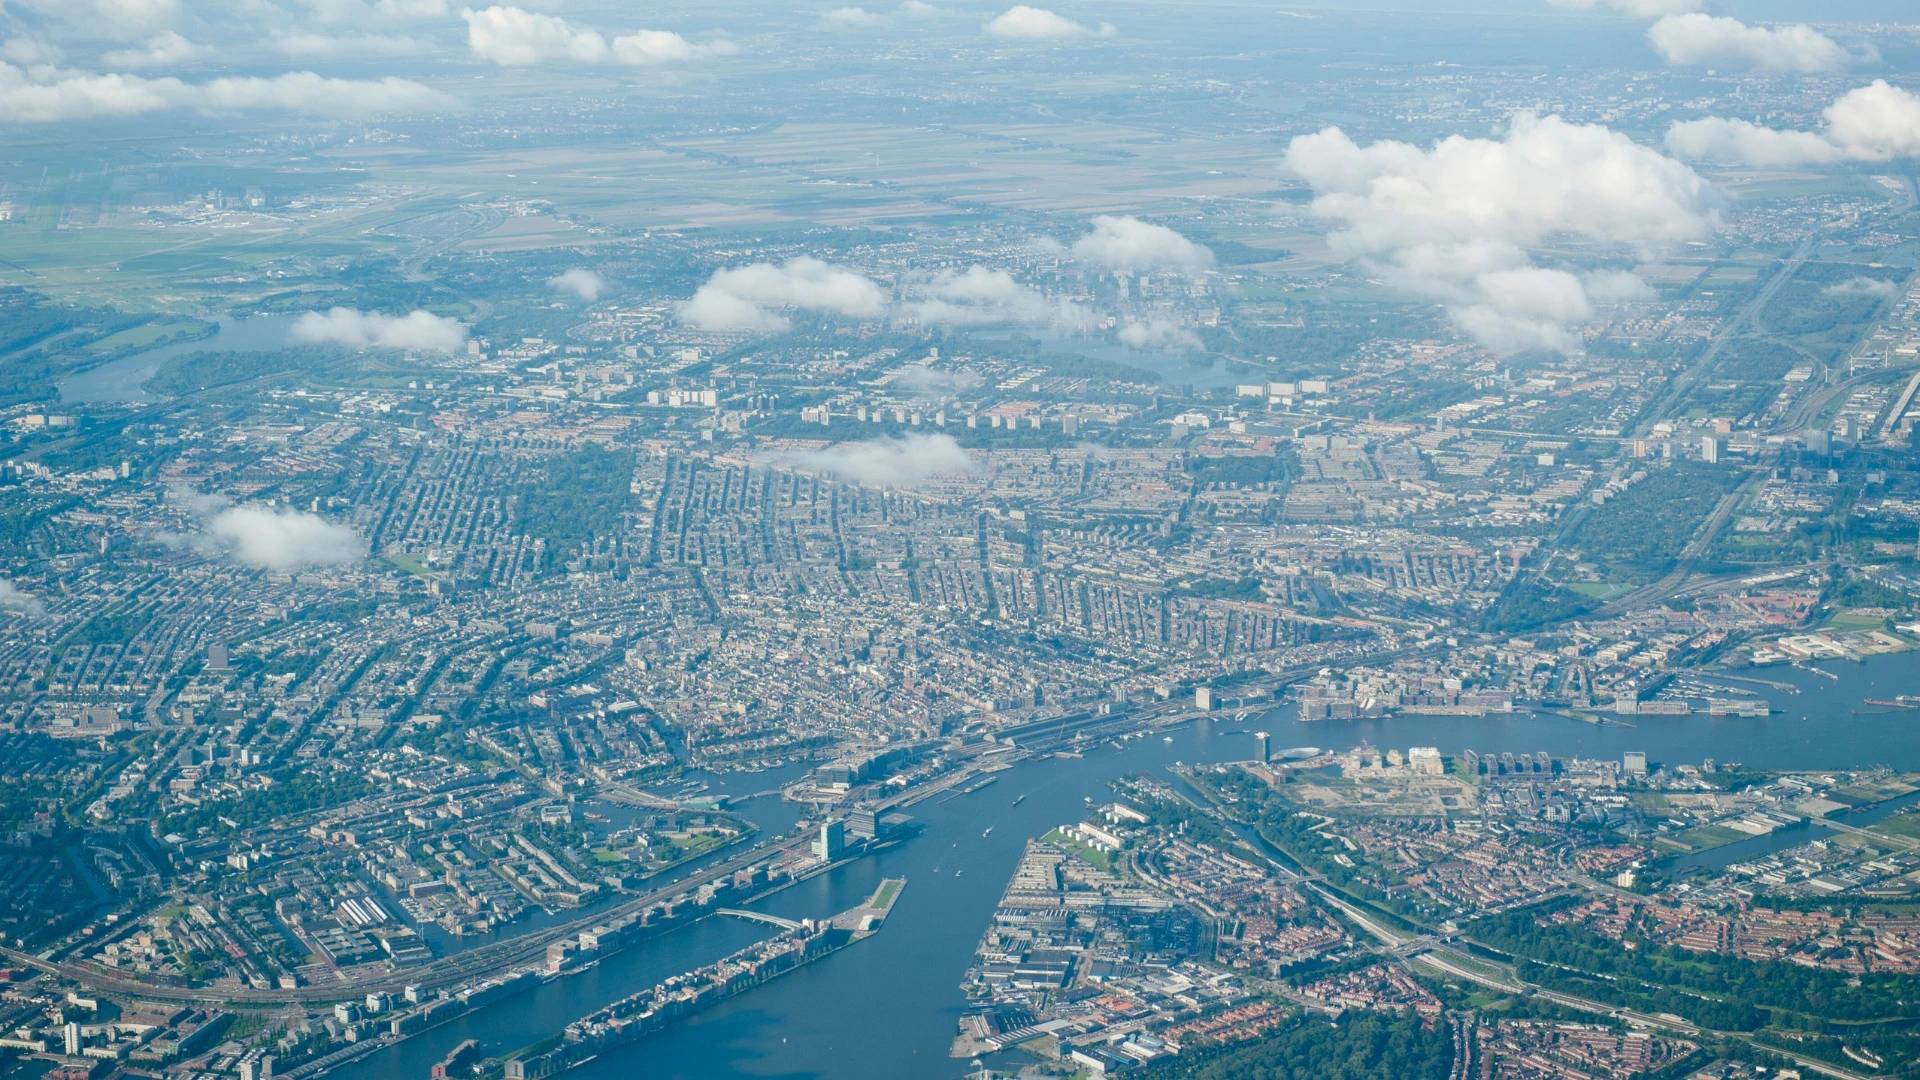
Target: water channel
886, 1009
122, 379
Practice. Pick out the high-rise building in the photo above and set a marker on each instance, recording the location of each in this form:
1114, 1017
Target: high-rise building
73, 1043
831, 840
1710, 449
256, 1065
1634, 763
863, 821
1262, 746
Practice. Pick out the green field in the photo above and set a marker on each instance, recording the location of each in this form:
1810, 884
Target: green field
1711, 836
1907, 825
142, 336
1085, 852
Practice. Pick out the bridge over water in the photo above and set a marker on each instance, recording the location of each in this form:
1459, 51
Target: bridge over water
758, 916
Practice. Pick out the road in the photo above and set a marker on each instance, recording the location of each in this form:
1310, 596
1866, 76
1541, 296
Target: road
413, 267
1648, 595
1677, 390
1436, 952
470, 966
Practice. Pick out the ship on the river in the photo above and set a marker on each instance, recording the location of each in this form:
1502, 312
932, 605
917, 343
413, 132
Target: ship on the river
683, 995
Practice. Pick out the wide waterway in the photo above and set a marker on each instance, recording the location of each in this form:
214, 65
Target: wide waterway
123, 379
887, 1008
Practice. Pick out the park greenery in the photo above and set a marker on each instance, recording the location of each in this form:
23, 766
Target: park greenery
582, 495
1640, 534
1392, 1046
1726, 993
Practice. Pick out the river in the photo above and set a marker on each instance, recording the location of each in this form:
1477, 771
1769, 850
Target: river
887, 1008
122, 379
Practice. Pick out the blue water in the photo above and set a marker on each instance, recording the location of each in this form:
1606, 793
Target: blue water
122, 379
887, 1008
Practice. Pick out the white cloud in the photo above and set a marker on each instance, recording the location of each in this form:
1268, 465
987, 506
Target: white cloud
1536, 293
513, 37
1876, 122
412, 9
361, 13
17, 601
852, 18
1127, 243
120, 20
1456, 221
717, 309
1862, 286
1697, 39
141, 14
162, 50
644, 48
1527, 306
887, 462
929, 381
285, 540
356, 329
1546, 176
1504, 333
1160, 334
920, 9
1617, 287
1715, 138
1639, 9
306, 92
28, 52
747, 297
582, 283
311, 94
44, 95
979, 296
1025, 23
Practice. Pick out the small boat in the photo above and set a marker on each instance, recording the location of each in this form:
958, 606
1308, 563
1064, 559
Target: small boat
984, 835
1019, 800
1168, 738
957, 873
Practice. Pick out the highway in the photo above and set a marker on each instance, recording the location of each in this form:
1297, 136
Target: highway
1437, 952
471, 966
1676, 390
1649, 595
